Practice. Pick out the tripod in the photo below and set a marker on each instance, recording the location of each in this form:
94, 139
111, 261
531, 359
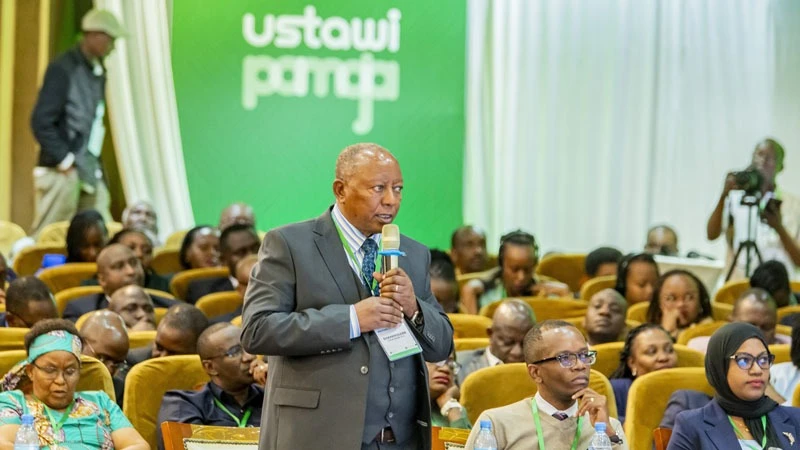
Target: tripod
749, 245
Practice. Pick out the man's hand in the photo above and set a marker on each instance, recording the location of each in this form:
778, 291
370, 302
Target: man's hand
730, 184
772, 215
259, 369
377, 312
396, 285
595, 404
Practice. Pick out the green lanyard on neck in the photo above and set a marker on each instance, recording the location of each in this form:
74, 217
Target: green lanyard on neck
763, 426
241, 423
57, 425
539, 435
367, 278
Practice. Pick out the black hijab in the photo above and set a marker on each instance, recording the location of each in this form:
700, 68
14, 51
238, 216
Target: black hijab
723, 344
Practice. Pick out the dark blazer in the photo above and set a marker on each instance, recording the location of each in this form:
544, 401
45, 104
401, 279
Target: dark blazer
89, 303
205, 286
297, 310
471, 360
137, 355
682, 400
621, 386
708, 428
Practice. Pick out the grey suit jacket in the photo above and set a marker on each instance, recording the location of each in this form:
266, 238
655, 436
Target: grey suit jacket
471, 360
297, 311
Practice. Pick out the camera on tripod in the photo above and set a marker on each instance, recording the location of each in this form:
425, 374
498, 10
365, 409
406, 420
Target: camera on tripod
749, 180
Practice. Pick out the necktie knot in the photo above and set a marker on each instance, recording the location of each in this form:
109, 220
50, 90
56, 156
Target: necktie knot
560, 415
370, 249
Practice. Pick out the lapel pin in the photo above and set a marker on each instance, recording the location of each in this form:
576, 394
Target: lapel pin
789, 436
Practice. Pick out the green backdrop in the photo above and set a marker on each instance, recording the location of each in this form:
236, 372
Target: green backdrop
270, 91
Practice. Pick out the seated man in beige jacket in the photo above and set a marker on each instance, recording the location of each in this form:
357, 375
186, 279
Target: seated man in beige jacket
565, 409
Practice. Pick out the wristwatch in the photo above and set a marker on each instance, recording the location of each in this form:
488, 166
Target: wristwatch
417, 319
615, 440
448, 405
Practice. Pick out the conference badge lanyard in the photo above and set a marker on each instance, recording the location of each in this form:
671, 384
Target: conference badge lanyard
57, 425
539, 434
763, 438
241, 423
397, 342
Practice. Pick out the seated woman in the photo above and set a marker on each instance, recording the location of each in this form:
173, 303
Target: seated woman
86, 236
637, 275
63, 418
200, 248
680, 301
445, 409
647, 348
740, 416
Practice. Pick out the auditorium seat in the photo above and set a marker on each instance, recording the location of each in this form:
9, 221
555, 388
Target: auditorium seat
12, 338
237, 321
140, 339
166, 261
9, 234
608, 357
568, 268
29, 259
219, 303
721, 311
180, 282
782, 352
787, 310
638, 312
67, 276
597, 284
185, 436
731, 290
9, 358
469, 325
472, 343
545, 308
175, 239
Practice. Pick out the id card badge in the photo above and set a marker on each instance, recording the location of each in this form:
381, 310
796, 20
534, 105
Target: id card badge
398, 342
98, 133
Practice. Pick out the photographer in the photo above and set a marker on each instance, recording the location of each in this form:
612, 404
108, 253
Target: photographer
775, 220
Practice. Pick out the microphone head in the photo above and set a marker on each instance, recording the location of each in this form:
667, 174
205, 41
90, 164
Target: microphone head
390, 237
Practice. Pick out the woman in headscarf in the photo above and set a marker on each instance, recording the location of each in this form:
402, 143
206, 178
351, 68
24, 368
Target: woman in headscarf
740, 416
63, 418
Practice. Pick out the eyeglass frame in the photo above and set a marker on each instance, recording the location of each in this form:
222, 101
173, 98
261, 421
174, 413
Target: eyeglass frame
455, 367
115, 367
234, 351
54, 375
571, 356
770, 358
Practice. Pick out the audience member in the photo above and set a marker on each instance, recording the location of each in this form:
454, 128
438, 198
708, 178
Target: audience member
105, 337
468, 249
200, 248
176, 334
243, 269
236, 242
511, 320
738, 366
142, 216
784, 377
117, 266
142, 247
773, 278
28, 301
86, 236
231, 398
444, 394
680, 301
237, 214
637, 275
605, 318
564, 408
88, 419
135, 307
647, 348
443, 281
662, 240
602, 262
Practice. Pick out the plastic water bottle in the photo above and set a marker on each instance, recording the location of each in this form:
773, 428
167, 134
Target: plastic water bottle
600, 441
27, 438
486, 440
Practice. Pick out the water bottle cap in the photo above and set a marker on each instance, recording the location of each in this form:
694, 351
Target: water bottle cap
52, 260
600, 427
486, 424
27, 419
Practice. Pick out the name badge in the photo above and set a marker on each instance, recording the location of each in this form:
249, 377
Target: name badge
398, 342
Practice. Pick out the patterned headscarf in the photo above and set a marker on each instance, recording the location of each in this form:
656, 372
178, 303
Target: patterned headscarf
58, 340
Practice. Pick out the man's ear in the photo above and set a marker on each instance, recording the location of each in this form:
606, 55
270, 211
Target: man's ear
14, 321
209, 367
533, 371
338, 188
489, 331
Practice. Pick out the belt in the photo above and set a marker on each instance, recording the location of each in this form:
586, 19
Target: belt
385, 436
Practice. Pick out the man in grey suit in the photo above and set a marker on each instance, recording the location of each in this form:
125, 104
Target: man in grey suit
511, 320
313, 304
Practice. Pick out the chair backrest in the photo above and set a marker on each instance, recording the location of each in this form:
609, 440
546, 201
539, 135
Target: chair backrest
731, 290
597, 284
721, 311
175, 239
545, 308
796, 396
638, 312
148, 381
29, 259
186, 436
180, 282
56, 232
12, 338
470, 343
9, 358
67, 276
469, 325
608, 356
648, 398
785, 330
567, 268
95, 377
787, 310
219, 303
9, 234
703, 329
237, 321
661, 438
501, 385
140, 339
782, 352
166, 261
448, 438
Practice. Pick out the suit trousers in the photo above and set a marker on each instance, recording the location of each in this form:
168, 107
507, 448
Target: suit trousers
59, 196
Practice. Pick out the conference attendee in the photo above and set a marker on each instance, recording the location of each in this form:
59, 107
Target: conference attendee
443, 281
738, 366
141, 215
176, 334
139, 241
28, 301
784, 377
63, 417
773, 278
647, 348
680, 301
564, 408
468, 249
86, 236
135, 306
200, 248
605, 317
231, 398
755, 307
243, 270
637, 275
775, 224
308, 308
236, 242
602, 262
67, 122
661, 240
238, 214
444, 393
105, 337
511, 320
117, 266
517, 260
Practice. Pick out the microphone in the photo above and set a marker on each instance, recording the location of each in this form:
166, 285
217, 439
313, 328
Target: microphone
390, 237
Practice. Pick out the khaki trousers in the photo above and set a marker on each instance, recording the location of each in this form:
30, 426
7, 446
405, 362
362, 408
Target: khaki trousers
59, 196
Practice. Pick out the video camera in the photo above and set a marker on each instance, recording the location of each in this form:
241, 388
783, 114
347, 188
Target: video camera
749, 180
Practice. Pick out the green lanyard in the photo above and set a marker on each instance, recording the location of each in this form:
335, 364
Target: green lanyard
241, 423
378, 260
535, 411
57, 425
763, 438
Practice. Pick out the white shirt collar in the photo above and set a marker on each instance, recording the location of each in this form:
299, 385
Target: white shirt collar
234, 281
545, 407
493, 360
355, 238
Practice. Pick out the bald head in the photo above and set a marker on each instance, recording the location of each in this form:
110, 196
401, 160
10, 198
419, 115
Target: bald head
756, 307
118, 266
237, 213
356, 155
135, 306
243, 269
107, 339
511, 320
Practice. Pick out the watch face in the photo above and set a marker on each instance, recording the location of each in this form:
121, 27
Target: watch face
615, 439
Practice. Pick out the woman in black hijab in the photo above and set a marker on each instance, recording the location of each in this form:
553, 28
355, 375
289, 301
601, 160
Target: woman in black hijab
740, 416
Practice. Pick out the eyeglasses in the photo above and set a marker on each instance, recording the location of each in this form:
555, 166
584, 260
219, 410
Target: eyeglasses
51, 373
232, 352
568, 360
745, 360
113, 365
452, 364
